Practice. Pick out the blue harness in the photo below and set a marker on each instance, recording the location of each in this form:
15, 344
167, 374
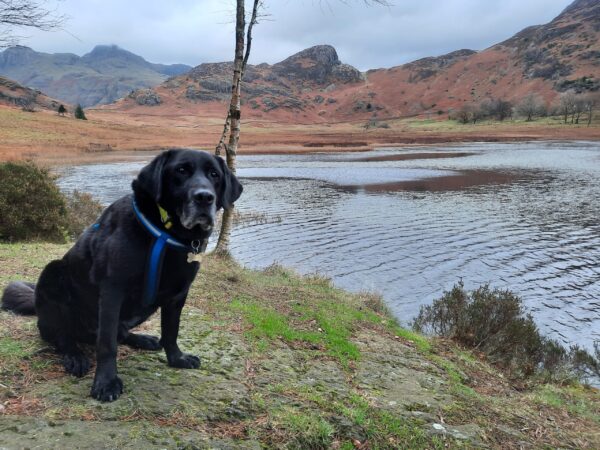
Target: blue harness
162, 240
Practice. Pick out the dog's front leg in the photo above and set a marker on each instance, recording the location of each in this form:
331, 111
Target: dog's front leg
107, 385
169, 322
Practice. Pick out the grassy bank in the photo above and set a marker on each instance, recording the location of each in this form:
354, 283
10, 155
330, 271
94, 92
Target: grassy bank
288, 361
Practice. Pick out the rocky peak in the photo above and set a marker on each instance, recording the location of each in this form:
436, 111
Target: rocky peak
17, 55
319, 54
318, 64
104, 52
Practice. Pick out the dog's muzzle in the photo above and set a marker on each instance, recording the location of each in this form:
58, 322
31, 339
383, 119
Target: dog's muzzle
199, 210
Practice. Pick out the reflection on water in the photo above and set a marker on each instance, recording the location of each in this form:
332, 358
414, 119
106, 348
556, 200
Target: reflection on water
518, 216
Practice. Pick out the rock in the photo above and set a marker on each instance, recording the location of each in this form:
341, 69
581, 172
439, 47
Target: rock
319, 64
146, 97
29, 432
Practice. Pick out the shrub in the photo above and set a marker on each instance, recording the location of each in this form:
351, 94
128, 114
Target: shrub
495, 323
79, 114
31, 205
82, 210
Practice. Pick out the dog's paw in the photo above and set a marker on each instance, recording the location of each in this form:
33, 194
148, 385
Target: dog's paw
76, 364
107, 391
185, 361
143, 342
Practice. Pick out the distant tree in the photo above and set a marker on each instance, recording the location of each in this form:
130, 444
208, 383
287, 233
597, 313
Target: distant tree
62, 110
530, 107
566, 105
496, 109
591, 101
25, 14
504, 110
79, 114
463, 115
467, 113
579, 108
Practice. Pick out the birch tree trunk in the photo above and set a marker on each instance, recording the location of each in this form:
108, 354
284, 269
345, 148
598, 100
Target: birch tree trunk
243, 40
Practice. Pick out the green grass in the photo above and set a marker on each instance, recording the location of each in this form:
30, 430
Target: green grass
304, 429
11, 349
268, 324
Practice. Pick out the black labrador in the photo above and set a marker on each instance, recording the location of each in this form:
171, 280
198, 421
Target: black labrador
99, 290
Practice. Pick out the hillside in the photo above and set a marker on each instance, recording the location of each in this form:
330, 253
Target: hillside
315, 86
292, 87
104, 75
15, 95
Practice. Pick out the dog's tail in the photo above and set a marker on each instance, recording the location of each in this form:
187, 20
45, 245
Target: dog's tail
19, 297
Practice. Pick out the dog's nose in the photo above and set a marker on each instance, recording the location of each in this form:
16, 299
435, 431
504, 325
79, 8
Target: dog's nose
204, 197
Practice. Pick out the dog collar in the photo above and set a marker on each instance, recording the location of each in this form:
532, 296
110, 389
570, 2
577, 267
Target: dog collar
157, 232
157, 251
164, 217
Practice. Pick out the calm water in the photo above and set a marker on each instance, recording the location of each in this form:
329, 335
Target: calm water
520, 216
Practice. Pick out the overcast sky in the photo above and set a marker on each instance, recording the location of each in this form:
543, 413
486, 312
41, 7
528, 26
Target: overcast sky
196, 31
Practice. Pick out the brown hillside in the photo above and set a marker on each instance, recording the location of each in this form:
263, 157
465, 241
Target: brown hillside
314, 86
16, 95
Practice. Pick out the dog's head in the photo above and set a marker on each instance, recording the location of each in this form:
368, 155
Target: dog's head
190, 185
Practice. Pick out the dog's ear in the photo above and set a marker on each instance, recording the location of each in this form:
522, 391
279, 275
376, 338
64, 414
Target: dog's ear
150, 177
231, 188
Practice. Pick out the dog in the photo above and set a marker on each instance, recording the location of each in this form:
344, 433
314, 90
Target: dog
141, 255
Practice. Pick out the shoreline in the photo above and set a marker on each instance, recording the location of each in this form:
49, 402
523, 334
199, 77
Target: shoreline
118, 156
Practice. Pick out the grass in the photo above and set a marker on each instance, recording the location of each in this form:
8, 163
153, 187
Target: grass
52, 139
290, 362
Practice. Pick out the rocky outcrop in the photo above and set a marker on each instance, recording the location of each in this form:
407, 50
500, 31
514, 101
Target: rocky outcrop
319, 64
146, 97
428, 67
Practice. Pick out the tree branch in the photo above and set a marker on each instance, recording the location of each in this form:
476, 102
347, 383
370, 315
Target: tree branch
26, 14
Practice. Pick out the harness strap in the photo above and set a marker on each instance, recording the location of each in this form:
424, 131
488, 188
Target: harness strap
154, 270
157, 251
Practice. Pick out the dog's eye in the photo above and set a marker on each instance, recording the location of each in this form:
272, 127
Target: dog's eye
181, 169
214, 174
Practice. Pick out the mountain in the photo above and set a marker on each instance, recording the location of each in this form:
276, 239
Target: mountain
104, 75
294, 85
14, 94
315, 86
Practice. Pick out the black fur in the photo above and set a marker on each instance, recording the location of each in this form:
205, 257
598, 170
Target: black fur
93, 294
18, 297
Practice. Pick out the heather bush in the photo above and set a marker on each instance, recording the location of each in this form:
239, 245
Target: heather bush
82, 210
494, 322
33, 208
31, 205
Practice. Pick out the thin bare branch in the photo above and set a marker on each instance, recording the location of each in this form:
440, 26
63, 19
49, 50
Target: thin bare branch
257, 6
26, 14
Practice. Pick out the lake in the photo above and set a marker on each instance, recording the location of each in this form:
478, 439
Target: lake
408, 223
